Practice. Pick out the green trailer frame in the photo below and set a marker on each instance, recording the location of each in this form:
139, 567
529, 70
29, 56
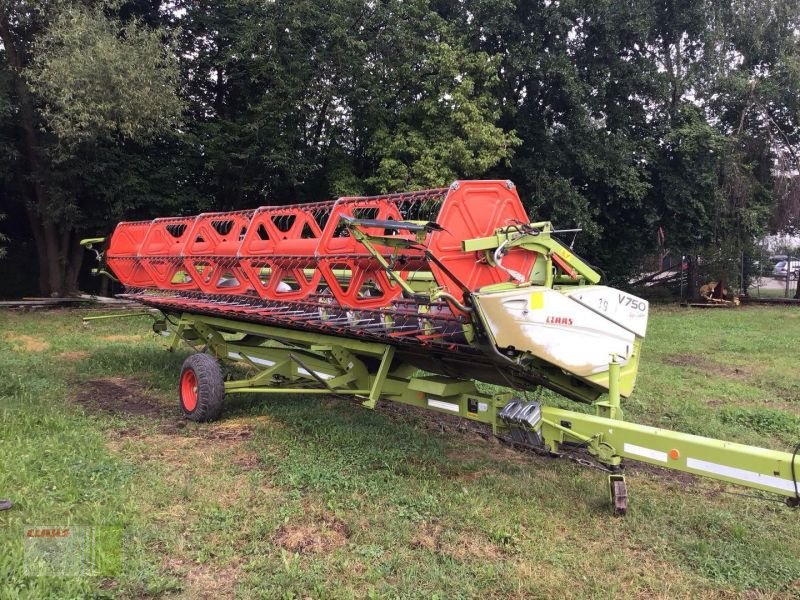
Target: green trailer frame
283, 361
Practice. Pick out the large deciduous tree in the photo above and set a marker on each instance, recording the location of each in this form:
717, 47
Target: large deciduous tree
84, 84
303, 100
647, 120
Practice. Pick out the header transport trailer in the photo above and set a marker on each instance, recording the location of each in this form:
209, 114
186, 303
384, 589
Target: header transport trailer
412, 298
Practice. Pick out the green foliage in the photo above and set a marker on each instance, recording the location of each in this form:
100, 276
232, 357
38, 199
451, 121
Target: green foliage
98, 78
629, 116
641, 123
688, 180
447, 128
296, 100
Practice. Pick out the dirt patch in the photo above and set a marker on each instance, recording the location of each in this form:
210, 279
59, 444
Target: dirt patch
428, 537
121, 338
205, 581
680, 360
180, 451
470, 476
74, 356
175, 427
247, 461
679, 478
228, 431
706, 366
325, 535
118, 436
436, 422
468, 546
119, 395
224, 434
465, 546
27, 343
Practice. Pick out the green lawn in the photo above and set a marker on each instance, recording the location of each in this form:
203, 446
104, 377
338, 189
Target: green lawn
318, 498
765, 292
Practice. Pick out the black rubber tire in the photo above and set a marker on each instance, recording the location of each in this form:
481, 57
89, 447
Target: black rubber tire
209, 388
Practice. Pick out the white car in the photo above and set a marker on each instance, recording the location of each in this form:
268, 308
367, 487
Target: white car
783, 266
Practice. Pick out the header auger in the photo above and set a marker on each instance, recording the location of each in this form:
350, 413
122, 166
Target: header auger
412, 298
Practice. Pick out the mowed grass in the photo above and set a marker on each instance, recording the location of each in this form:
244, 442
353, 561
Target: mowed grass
315, 497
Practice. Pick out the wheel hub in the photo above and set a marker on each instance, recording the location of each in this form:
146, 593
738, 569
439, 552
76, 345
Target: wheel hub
189, 390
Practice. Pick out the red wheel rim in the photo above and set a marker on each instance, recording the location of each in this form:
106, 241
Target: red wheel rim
189, 390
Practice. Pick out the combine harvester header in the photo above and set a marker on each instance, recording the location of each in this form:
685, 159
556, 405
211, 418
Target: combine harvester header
411, 298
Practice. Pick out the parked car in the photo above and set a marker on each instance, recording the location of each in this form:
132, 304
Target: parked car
784, 266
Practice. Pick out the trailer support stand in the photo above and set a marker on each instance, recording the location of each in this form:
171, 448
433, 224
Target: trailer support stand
611, 407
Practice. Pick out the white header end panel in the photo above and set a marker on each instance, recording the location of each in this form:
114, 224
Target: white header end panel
626, 310
555, 328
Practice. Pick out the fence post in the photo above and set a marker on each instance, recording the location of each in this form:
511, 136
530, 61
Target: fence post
788, 275
797, 286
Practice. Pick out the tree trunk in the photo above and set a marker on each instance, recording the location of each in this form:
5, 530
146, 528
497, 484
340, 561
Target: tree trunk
74, 256
691, 278
58, 262
797, 282
62, 261
41, 249
744, 284
105, 288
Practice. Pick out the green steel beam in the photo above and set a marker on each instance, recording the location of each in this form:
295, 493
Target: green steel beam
541, 243
611, 407
380, 377
282, 334
148, 313
611, 440
366, 241
292, 390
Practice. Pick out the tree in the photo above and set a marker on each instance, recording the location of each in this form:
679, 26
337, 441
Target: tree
577, 87
750, 89
303, 100
3, 239
638, 121
84, 82
624, 112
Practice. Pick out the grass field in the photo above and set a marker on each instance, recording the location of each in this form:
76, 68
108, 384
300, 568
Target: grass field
773, 292
317, 498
